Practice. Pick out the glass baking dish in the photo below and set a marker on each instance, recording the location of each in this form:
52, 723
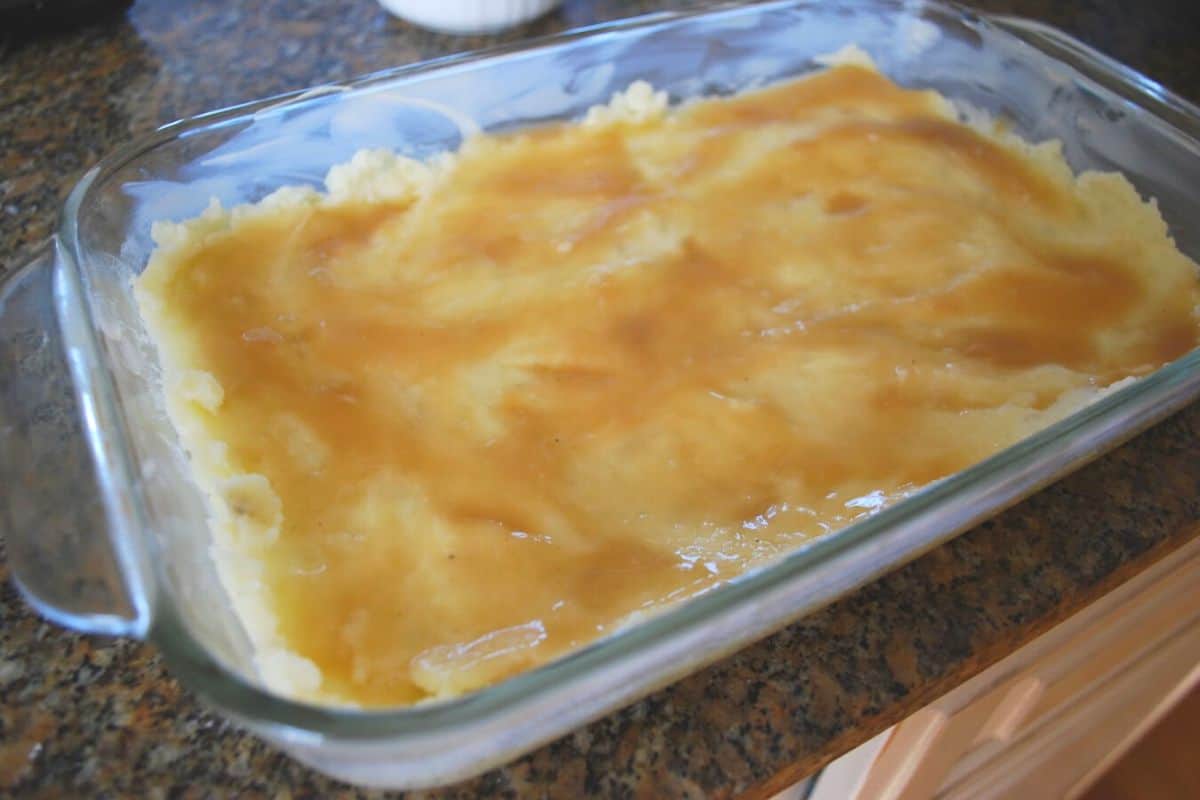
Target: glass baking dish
105, 532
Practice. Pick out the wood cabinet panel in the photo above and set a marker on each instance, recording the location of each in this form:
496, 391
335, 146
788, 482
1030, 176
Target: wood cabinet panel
1042, 722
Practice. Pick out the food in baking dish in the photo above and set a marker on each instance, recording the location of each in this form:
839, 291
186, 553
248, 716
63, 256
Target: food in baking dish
456, 418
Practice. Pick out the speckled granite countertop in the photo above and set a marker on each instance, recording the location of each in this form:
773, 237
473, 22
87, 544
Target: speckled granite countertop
84, 716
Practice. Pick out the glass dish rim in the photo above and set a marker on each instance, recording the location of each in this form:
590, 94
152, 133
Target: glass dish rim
233, 692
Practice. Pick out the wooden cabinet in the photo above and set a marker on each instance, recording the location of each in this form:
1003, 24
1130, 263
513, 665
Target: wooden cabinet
1049, 719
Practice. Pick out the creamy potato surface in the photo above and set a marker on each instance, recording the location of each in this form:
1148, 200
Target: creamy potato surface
457, 418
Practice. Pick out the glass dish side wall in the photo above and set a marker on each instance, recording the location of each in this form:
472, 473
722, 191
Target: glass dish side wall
241, 156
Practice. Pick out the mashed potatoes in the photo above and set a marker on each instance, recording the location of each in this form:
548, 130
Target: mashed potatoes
457, 418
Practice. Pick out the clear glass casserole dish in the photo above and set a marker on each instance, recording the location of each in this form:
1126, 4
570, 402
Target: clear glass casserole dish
105, 532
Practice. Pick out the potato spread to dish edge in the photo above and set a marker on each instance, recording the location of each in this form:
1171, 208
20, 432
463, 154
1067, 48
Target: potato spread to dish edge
582, 367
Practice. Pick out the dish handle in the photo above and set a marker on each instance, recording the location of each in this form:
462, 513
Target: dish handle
1104, 70
60, 520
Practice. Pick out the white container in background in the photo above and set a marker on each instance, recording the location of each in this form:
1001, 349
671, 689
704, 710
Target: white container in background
468, 16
